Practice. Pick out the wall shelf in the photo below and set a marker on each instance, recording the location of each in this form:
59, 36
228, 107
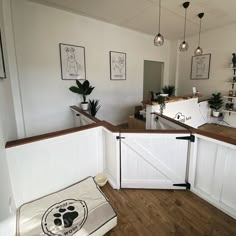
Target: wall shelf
228, 111
231, 97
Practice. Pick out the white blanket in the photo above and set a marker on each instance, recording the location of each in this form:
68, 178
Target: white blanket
78, 210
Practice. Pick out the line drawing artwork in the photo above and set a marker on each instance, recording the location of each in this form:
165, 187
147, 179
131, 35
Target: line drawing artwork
200, 67
72, 62
118, 65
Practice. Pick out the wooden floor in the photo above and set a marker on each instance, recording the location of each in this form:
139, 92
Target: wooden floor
166, 213
220, 129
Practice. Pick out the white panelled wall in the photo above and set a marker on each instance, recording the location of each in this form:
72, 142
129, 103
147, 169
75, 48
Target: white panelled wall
212, 173
55, 163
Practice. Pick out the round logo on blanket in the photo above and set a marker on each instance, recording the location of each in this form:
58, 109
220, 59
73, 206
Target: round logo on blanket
64, 218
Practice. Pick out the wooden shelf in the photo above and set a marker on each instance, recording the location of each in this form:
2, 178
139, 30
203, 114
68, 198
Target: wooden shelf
228, 111
229, 97
230, 82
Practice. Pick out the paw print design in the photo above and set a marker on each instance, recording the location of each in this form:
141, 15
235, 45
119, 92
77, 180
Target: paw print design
65, 217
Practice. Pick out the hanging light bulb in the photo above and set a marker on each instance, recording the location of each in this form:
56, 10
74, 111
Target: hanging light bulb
159, 39
198, 51
184, 45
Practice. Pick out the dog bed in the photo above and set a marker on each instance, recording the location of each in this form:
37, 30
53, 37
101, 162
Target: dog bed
79, 210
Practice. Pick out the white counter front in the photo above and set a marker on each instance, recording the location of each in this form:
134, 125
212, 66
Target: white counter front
187, 111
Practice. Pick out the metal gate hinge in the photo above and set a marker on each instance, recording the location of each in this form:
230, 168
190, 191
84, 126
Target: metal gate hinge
191, 138
119, 137
186, 185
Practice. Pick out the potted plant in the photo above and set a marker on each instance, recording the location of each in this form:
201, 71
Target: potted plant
83, 89
170, 90
94, 107
161, 100
216, 102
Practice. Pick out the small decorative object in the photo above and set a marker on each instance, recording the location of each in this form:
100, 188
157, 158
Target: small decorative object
117, 65
184, 45
231, 93
227, 106
2, 65
200, 66
94, 107
159, 39
83, 89
170, 90
216, 102
72, 62
234, 60
101, 179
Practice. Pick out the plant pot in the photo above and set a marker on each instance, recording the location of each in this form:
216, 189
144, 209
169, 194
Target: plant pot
101, 179
216, 113
84, 106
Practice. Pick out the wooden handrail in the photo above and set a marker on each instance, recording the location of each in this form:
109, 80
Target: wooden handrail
85, 113
115, 129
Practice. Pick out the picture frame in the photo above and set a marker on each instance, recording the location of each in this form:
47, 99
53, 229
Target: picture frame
117, 65
72, 60
2, 64
200, 67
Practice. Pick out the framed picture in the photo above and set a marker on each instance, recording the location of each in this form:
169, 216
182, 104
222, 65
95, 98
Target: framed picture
201, 66
72, 62
117, 65
2, 65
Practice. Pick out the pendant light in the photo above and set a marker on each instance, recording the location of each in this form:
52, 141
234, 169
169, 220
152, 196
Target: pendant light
198, 51
159, 39
184, 45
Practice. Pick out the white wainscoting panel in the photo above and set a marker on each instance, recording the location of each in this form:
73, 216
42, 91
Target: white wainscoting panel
45, 166
153, 160
212, 171
111, 158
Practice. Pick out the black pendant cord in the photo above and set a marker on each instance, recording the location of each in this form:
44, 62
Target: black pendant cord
159, 23
199, 36
185, 22
200, 15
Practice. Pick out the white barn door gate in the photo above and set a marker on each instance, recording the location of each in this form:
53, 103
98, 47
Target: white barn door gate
151, 160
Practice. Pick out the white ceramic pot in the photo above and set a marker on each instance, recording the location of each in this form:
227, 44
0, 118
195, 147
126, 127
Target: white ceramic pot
84, 106
216, 113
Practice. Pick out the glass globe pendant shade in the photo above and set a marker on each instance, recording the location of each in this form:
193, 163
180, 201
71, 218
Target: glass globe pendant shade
198, 51
183, 46
159, 40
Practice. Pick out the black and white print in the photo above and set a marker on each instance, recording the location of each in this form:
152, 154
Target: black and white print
200, 66
72, 62
117, 65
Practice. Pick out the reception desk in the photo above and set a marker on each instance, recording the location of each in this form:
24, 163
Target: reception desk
186, 110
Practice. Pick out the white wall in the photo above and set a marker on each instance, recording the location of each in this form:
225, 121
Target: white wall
221, 44
46, 99
7, 131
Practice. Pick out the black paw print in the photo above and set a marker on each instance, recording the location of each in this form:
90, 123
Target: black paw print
66, 216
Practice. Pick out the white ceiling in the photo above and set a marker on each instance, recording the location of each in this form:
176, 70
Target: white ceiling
142, 15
